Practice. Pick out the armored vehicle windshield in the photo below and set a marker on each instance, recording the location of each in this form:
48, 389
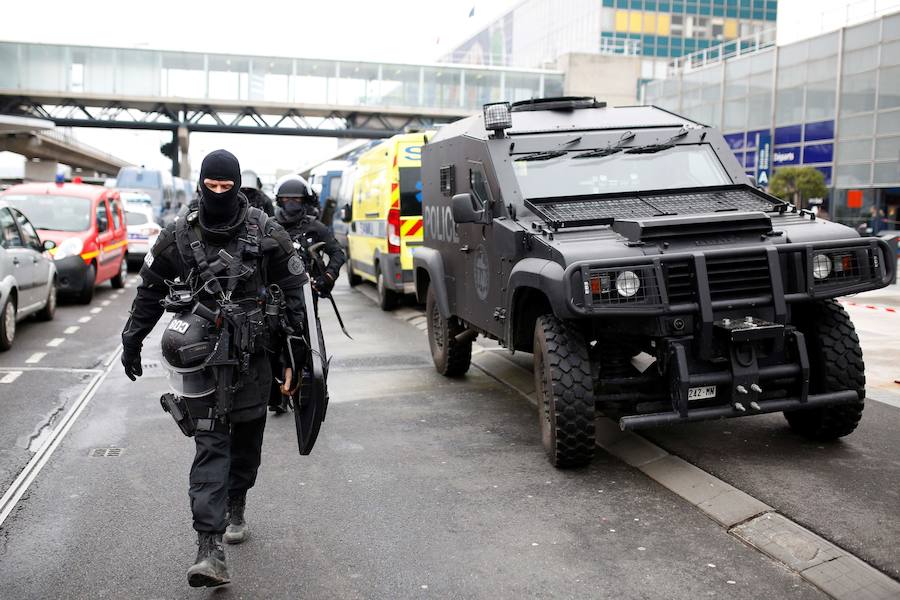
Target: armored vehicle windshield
630, 169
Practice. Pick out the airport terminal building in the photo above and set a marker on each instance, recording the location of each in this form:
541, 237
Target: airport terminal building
831, 102
613, 45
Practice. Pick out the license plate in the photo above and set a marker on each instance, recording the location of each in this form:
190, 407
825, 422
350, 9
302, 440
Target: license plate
701, 393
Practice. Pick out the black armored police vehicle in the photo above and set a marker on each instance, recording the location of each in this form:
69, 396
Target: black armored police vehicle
627, 249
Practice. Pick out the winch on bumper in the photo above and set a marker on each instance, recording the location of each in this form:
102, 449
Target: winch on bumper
724, 333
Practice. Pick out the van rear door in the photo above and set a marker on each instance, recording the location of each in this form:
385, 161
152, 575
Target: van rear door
409, 166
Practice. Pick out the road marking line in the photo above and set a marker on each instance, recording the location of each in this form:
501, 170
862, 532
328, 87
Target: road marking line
35, 358
71, 330
10, 377
95, 311
55, 342
21, 484
106, 303
84, 320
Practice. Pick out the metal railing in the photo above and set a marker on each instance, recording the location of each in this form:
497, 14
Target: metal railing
716, 54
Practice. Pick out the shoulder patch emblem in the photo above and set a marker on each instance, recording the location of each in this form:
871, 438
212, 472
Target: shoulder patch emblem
148, 260
295, 265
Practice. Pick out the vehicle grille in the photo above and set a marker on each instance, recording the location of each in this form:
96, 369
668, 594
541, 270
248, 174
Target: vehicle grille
730, 278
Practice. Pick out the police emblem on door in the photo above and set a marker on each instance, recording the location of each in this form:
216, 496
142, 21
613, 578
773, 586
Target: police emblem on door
482, 273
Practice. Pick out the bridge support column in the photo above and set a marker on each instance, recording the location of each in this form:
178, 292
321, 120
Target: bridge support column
184, 145
40, 170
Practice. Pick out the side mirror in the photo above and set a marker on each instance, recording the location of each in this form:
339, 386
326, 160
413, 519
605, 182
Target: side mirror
346, 213
328, 211
49, 245
463, 209
167, 205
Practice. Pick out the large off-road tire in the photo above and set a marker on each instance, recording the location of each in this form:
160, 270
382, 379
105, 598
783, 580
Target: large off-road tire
564, 388
49, 311
352, 278
90, 282
451, 358
836, 364
387, 298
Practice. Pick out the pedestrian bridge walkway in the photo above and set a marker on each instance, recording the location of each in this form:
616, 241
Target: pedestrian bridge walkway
159, 89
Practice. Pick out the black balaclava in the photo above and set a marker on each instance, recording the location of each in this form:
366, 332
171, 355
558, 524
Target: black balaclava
217, 210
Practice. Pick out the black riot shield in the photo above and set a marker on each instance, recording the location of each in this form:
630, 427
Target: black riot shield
312, 400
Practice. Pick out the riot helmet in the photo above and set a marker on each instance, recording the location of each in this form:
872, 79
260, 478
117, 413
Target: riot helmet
296, 198
250, 180
186, 344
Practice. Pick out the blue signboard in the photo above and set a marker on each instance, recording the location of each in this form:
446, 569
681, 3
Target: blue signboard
786, 155
763, 158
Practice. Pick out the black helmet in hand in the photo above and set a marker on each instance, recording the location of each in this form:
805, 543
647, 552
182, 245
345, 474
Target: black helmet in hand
186, 343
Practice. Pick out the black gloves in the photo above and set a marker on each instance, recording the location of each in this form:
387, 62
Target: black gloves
131, 360
323, 284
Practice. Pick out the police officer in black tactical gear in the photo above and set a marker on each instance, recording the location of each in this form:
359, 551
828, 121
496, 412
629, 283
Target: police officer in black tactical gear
251, 186
297, 211
215, 268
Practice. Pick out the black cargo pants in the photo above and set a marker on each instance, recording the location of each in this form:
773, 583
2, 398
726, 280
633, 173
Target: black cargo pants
225, 464
228, 458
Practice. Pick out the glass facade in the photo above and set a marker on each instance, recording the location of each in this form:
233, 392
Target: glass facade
831, 102
539, 31
114, 72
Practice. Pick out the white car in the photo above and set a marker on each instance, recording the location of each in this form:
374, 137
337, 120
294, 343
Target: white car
142, 231
27, 274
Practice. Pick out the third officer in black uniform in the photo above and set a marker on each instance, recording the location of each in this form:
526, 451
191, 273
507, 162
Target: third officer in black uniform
297, 209
225, 269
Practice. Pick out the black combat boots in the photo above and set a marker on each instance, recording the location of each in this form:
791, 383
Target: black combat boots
237, 530
209, 570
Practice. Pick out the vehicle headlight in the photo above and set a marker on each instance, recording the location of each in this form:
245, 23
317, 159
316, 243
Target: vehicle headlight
627, 283
69, 247
821, 266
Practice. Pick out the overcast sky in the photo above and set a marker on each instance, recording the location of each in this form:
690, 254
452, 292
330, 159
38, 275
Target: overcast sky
387, 30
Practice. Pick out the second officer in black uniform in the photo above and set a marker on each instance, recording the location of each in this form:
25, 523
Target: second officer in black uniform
297, 209
215, 268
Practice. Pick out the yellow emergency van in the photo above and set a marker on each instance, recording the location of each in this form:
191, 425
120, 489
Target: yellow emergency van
386, 216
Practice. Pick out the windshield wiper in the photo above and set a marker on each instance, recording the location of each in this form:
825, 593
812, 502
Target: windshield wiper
547, 155
609, 150
652, 148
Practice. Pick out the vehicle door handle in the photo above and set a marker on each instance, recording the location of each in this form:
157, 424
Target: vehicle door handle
16, 260
371, 215
465, 249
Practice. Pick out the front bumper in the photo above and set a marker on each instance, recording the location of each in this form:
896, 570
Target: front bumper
71, 274
701, 283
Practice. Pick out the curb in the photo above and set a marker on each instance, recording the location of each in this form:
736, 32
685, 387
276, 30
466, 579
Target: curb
829, 568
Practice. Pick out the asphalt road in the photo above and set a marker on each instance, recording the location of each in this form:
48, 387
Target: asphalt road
419, 487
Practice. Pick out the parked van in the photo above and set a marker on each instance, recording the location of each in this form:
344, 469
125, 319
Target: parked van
386, 216
158, 183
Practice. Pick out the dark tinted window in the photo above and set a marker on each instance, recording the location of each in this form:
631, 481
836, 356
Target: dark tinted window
116, 214
479, 185
9, 233
410, 191
102, 218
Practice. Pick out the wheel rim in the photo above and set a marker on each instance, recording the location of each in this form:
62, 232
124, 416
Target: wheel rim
379, 285
9, 321
123, 269
437, 331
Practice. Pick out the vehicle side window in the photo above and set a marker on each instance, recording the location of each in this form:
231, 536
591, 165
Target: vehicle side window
479, 185
29, 235
116, 214
9, 233
102, 218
